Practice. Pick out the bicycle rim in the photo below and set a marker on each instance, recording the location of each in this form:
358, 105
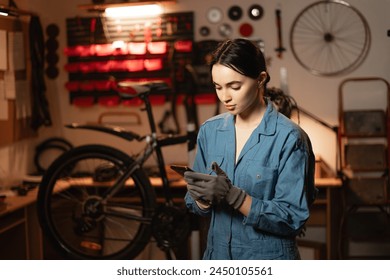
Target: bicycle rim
330, 38
77, 219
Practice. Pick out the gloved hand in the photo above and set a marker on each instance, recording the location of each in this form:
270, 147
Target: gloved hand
214, 189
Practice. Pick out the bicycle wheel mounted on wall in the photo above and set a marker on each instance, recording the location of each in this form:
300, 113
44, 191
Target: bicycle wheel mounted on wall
330, 38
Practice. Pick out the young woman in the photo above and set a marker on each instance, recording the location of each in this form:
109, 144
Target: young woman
254, 168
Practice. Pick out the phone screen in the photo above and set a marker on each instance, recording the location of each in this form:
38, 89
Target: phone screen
181, 169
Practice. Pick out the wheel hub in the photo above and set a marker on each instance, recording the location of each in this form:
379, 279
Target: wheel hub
328, 37
92, 212
93, 208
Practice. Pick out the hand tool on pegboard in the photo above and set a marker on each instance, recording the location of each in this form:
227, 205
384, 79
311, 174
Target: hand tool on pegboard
280, 49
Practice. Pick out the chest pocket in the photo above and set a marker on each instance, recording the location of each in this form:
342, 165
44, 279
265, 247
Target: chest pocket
259, 180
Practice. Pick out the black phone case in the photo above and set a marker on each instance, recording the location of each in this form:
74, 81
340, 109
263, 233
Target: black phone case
180, 169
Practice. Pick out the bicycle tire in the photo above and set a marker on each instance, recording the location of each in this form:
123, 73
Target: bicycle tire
54, 143
76, 223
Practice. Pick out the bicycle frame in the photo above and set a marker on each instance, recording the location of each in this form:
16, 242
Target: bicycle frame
154, 143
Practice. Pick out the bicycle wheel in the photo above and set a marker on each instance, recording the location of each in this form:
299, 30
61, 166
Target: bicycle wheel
76, 216
329, 38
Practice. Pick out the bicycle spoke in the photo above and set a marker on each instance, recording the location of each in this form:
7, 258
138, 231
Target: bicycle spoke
126, 213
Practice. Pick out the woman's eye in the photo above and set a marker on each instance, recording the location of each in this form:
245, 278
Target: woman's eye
235, 86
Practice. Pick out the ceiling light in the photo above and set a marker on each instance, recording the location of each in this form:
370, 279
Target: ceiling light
5, 12
10, 11
134, 11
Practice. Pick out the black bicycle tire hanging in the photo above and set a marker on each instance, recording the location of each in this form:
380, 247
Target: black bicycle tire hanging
53, 143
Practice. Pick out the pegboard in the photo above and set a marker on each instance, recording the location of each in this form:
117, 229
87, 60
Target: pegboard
151, 49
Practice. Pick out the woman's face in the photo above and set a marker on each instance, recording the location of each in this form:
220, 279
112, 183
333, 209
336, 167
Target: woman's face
237, 92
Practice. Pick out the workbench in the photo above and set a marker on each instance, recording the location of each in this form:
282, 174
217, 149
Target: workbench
21, 237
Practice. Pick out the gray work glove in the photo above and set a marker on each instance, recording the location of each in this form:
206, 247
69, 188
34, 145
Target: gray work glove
214, 189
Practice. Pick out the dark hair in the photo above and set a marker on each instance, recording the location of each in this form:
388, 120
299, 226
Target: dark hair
241, 55
283, 102
246, 58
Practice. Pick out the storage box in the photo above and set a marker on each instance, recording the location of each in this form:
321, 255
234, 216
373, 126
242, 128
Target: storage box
367, 191
365, 157
364, 123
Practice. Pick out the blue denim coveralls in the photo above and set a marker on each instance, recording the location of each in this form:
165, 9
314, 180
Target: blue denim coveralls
276, 168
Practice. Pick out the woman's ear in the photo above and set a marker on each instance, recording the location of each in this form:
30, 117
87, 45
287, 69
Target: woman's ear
262, 78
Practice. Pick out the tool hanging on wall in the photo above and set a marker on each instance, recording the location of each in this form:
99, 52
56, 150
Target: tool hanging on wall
51, 55
169, 123
280, 49
40, 115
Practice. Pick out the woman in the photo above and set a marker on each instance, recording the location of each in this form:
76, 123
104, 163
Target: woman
254, 168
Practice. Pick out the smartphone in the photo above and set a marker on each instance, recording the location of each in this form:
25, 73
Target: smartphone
181, 169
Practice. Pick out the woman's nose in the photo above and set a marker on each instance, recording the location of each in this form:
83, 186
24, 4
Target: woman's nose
225, 96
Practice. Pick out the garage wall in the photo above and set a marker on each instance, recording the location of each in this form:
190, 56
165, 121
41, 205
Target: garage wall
318, 95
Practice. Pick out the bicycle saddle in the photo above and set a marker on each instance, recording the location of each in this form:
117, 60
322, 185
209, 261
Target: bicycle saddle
135, 89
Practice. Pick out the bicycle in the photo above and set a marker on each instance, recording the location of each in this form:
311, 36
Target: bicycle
97, 202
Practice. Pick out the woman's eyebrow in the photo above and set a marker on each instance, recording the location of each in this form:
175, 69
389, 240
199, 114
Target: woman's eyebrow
229, 83
234, 82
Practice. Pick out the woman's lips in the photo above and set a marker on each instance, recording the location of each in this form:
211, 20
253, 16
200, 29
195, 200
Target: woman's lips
230, 107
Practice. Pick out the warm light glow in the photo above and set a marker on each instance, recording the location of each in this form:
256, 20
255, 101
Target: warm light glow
5, 12
134, 11
118, 44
